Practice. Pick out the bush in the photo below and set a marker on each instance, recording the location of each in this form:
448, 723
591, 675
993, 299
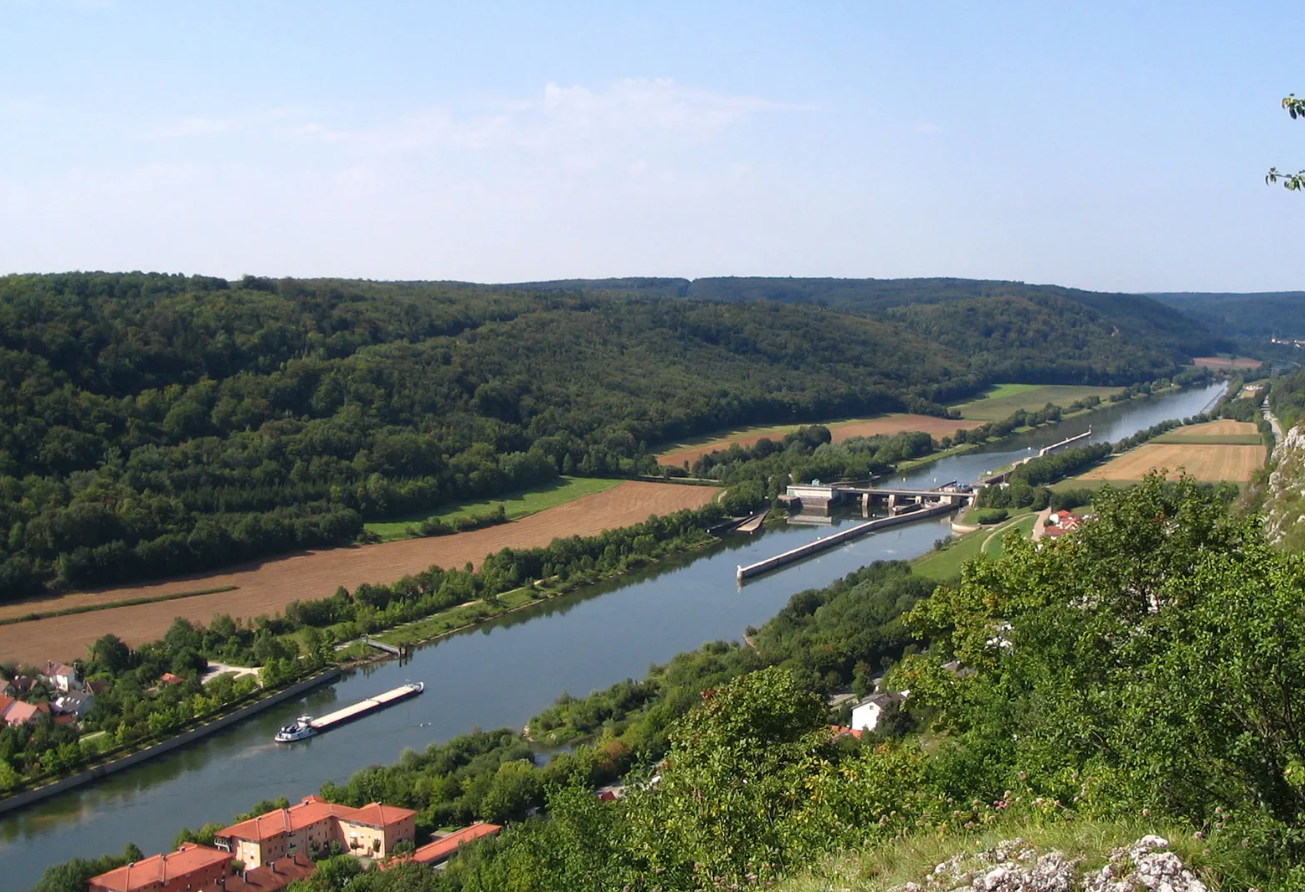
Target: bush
991, 515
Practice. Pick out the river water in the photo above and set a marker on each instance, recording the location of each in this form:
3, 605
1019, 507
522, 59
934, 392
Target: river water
499, 674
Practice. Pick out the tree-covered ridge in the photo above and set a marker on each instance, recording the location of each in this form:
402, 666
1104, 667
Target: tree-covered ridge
1257, 316
1040, 332
156, 424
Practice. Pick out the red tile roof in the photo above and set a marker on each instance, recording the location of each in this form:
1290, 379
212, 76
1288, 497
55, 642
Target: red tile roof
272, 877
377, 815
443, 849
20, 713
161, 868
5, 703
840, 731
169, 678
311, 810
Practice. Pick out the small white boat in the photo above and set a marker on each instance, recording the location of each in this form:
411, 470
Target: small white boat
300, 730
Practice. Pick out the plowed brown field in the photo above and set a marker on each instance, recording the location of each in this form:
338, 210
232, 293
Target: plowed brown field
1221, 427
1219, 362
267, 586
889, 424
1211, 464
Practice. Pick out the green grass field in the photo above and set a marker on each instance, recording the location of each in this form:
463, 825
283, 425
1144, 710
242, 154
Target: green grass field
1004, 399
723, 438
1212, 440
519, 504
945, 565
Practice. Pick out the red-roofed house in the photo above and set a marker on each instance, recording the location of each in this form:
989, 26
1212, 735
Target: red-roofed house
20, 713
5, 703
839, 731
314, 823
272, 877
169, 678
189, 867
446, 847
376, 829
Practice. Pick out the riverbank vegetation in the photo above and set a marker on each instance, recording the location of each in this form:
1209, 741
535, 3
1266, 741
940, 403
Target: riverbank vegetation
136, 708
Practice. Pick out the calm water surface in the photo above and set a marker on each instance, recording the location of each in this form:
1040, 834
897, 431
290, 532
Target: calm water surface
495, 676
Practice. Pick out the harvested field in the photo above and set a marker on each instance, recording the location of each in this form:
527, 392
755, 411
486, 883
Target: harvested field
839, 430
265, 587
1211, 464
1224, 431
1221, 362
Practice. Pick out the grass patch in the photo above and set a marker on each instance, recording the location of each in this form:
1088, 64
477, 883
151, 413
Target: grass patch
723, 438
945, 565
995, 545
1209, 440
515, 505
1005, 399
913, 858
109, 605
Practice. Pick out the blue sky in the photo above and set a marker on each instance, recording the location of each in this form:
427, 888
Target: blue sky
1113, 146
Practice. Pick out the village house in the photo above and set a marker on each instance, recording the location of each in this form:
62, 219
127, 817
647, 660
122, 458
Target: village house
867, 713
314, 824
20, 713
1061, 522
62, 676
190, 868
75, 703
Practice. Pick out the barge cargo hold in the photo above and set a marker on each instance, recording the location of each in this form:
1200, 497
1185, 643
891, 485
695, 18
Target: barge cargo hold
331, 720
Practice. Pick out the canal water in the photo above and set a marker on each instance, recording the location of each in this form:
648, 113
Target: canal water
499, 674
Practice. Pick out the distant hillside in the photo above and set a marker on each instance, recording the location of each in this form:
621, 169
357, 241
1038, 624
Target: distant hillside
1253, 315
1010, 330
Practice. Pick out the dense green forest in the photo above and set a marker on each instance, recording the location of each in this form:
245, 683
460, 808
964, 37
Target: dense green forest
155, 424
1252, 316
1011, 330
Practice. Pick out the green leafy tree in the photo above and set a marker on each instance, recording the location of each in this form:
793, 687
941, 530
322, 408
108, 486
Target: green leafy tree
1293, 182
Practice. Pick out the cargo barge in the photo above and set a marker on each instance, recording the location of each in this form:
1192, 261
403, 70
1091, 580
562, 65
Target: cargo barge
307, 726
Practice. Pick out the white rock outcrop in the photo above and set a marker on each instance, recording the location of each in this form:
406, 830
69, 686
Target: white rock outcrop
1015, 866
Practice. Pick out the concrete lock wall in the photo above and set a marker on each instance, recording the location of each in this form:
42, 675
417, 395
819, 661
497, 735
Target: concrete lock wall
40, 793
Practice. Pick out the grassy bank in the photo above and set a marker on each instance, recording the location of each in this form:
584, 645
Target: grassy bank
1006, 399
515, 505
945, 564
913, 858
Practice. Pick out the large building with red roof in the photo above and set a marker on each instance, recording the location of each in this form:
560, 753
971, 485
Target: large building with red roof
313, 824
188, 868
446, 847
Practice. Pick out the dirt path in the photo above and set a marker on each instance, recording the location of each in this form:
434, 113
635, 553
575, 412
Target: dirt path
267, 586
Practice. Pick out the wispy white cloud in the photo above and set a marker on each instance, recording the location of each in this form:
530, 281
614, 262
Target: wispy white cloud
561, 118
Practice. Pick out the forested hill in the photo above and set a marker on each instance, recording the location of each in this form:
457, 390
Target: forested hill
1009, 328
154, 424
1254, 316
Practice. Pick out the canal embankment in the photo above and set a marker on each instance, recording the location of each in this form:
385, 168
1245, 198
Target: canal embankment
121, 763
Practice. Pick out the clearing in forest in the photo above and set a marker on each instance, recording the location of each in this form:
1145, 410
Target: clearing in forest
1207, 463
1005, 399
1226, 362
516, 505
691, 450
265, 587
